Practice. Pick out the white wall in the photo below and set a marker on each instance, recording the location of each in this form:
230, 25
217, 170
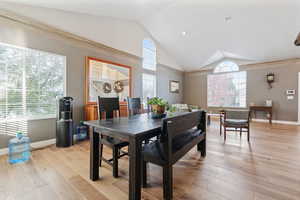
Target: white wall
119, 34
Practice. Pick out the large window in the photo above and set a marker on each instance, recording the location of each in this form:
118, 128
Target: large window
30, 81
149, 85
226, 89
149, 66
149, 55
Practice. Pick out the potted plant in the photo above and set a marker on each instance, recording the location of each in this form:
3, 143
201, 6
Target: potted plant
158, 106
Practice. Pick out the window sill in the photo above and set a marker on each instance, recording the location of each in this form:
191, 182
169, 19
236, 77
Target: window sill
41, 118
29, 119
219, 107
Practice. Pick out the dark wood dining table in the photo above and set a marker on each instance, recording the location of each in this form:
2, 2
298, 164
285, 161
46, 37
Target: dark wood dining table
134, 129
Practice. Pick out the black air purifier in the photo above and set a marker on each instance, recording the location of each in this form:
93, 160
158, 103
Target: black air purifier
64, 122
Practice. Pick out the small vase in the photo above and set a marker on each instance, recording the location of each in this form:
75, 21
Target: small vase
158, 111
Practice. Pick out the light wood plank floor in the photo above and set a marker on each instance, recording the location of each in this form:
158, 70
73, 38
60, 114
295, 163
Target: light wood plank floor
267, 168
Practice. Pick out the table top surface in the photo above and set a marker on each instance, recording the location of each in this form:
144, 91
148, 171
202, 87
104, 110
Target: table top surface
132, 126
261, 107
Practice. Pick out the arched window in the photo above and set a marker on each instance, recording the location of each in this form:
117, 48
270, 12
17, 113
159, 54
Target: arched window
149, 55
149, 66
226, 66
226, 87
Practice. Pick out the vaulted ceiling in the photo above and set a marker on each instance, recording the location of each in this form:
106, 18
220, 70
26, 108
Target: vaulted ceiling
200, 32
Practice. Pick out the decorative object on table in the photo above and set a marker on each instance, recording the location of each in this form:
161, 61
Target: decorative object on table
270, 79
64, 122
174, 86
269, 102
118, 87
81, 132
158, 107
19, 149
181, 107
290, 92
252, 104
107, 87
297, 41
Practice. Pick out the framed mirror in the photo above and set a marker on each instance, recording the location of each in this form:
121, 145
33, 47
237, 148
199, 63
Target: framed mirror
106, 79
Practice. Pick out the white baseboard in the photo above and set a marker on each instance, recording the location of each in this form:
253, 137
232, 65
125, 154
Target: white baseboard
34, 145
277, 121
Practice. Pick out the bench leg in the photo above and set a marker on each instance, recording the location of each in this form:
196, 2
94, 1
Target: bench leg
115, 162
168, 182
201, 146
144, 174
101, 152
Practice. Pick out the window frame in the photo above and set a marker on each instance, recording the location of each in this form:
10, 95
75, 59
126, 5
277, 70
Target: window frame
154, 50
46, 116
222, 73
147, 71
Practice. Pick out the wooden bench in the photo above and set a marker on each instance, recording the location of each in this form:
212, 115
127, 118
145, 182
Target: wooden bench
179, 135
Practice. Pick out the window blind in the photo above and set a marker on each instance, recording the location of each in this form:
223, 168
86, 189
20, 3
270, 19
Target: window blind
30, 81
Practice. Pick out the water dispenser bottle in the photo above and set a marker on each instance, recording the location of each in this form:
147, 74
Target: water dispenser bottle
19, 149
81, 132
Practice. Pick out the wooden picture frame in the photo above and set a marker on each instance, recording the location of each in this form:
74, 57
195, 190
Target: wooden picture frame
174, 86
88, 101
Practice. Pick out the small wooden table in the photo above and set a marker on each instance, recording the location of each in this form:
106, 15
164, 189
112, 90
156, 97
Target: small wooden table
267, 109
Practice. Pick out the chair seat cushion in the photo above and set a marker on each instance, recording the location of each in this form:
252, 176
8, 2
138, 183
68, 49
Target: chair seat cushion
111, 141
154, 151
236, 122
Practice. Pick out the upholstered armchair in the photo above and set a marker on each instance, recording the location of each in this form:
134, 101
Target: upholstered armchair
236, 120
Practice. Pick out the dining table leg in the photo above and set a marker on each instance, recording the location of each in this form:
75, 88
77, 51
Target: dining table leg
94, 155
135, 163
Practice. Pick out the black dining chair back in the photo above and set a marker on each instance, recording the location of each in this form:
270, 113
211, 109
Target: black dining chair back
108, 105
134, 106
179, 135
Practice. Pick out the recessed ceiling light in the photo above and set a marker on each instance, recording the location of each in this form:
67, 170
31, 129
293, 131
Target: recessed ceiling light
228, 18
183, 33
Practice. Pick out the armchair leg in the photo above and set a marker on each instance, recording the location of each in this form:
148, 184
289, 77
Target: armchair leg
248, 133
241, 132
168, 182
115, 162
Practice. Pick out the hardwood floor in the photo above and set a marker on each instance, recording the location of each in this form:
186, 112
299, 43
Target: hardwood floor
267, 168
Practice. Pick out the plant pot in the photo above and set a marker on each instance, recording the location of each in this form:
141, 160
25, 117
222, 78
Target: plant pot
157, 109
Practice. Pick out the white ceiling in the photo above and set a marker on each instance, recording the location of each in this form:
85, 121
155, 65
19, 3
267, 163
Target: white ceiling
258, 30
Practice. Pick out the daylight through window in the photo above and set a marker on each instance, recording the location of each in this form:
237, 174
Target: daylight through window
30, 81
226, 89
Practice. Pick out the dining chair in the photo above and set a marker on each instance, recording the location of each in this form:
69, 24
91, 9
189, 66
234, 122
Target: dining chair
236, 120
110, 108
179, 135
134, 106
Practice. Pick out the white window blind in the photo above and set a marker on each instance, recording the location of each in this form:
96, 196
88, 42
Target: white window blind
227, 89
149, 87
149, 55
30, 81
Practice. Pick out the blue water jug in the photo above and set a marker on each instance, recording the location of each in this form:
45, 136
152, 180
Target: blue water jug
81, 132
19, 149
